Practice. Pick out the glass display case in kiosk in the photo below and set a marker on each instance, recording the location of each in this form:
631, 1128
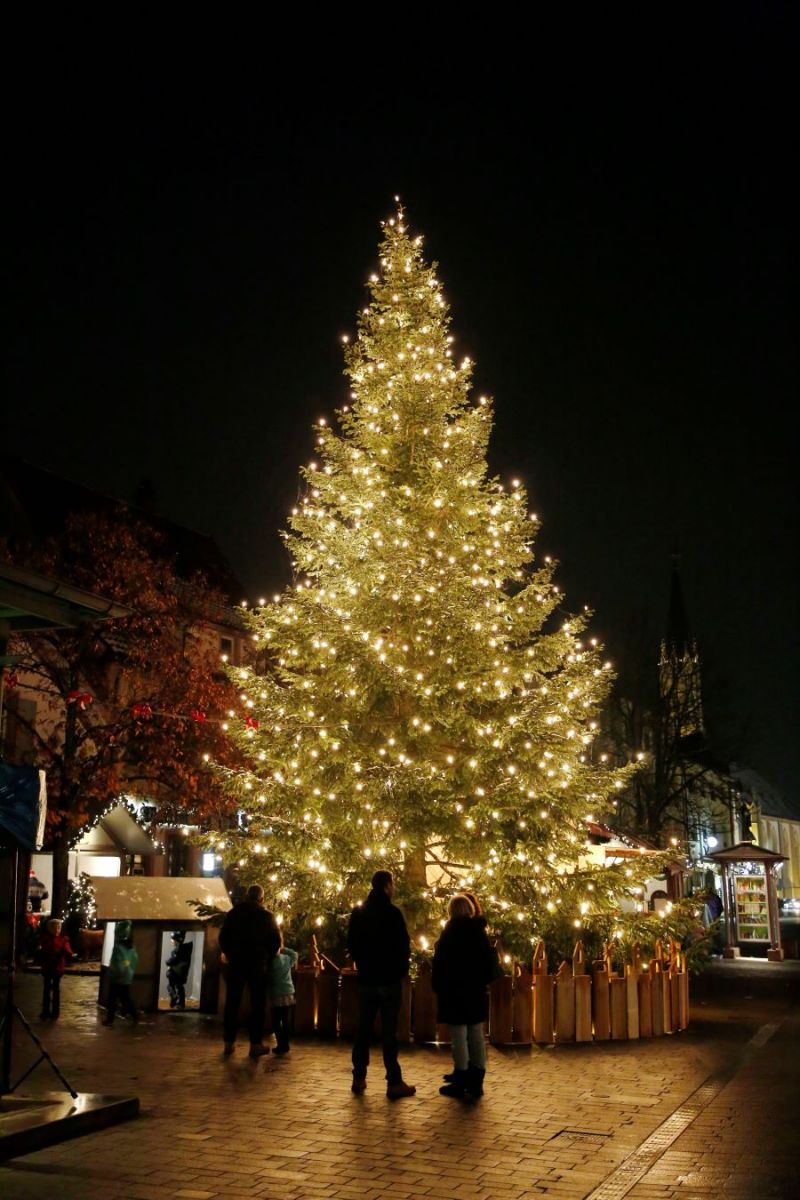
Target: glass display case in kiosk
750, 900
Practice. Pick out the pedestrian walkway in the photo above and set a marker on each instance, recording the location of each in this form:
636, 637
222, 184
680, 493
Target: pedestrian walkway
705, 1114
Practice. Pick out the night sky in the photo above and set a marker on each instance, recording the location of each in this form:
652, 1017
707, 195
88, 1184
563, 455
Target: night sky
187, 245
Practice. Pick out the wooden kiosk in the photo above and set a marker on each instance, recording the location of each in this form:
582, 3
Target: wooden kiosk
158, 907
750, 900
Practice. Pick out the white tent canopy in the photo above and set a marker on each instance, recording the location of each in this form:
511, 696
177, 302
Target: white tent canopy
150, 898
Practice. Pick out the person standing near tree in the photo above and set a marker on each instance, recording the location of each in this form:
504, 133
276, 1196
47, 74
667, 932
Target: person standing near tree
55, 951
178, 965
379, 945
464, 964
121, 970
249, 939
281, 995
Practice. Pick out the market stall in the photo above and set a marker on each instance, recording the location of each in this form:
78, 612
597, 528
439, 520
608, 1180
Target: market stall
159, 907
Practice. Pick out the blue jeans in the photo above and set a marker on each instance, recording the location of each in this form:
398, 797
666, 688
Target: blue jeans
469, 1047
374, 998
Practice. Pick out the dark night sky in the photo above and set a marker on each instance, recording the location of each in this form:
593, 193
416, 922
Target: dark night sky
186, 249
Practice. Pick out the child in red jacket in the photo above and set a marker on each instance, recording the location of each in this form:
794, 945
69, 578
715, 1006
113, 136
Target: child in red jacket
55, 953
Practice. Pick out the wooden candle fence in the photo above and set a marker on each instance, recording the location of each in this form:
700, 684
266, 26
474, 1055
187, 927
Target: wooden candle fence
580, 1002
576, 1005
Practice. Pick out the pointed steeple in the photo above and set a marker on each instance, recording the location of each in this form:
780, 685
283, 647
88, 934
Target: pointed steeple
679, 665
677, 638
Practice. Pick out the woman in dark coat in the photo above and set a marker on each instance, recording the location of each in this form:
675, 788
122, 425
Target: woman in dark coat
464, 964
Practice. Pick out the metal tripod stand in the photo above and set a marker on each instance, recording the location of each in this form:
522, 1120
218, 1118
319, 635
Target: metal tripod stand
11, 1010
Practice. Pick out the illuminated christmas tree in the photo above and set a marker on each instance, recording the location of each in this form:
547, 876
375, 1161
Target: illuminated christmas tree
422, 700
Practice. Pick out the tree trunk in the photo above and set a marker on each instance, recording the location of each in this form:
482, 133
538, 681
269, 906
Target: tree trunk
58, 900
414, 867
415, 880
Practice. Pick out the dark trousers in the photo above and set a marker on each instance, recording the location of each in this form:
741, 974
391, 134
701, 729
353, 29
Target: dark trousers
281, 1025
120, 994
255, 980
177, 990
51, 996
374, 998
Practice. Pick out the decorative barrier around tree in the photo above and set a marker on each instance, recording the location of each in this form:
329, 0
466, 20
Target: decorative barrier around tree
579, 1003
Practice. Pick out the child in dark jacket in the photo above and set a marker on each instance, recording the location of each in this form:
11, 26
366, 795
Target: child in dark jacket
55, 952
281, 995
464, 964
178, 964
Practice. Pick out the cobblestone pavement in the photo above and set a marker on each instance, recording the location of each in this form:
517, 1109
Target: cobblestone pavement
611, 1120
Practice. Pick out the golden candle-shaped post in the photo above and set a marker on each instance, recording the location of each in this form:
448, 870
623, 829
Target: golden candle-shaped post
583, 1008
424, 1005
501, 1007
645, 1003
618, 998
683, 996
657, 998
522, 1006
632, 999
608, 958
565, 1004
601, 1010
542, 998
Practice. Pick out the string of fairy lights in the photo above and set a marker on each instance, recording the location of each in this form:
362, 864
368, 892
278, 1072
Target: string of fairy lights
416, 700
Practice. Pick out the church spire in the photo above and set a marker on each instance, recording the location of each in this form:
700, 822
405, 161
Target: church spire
677, 638
679, 665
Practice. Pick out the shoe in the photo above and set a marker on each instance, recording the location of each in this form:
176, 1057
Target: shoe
173, 1003
396, 1091
449, 1078
281, 1049
474, 1082
228, 1049
359, 1086
457, 1088
258, 1051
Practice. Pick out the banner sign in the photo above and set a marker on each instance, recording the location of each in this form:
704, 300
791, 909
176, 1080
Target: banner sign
23, 804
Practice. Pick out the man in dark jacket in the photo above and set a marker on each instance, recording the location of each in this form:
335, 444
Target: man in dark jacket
249, 939
378, 943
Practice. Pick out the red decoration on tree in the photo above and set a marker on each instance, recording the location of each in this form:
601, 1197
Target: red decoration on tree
142, 712
198, 716
82, 699
12, 680
251, 723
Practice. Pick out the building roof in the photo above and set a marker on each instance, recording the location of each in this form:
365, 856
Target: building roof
31, 602
122, 829
769, 800
150, 898
34, 504
601, 832
746, 852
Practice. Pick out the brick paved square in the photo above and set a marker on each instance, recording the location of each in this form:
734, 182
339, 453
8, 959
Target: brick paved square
212, 1127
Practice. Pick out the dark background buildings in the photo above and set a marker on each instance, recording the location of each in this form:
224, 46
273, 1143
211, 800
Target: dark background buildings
188, 240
